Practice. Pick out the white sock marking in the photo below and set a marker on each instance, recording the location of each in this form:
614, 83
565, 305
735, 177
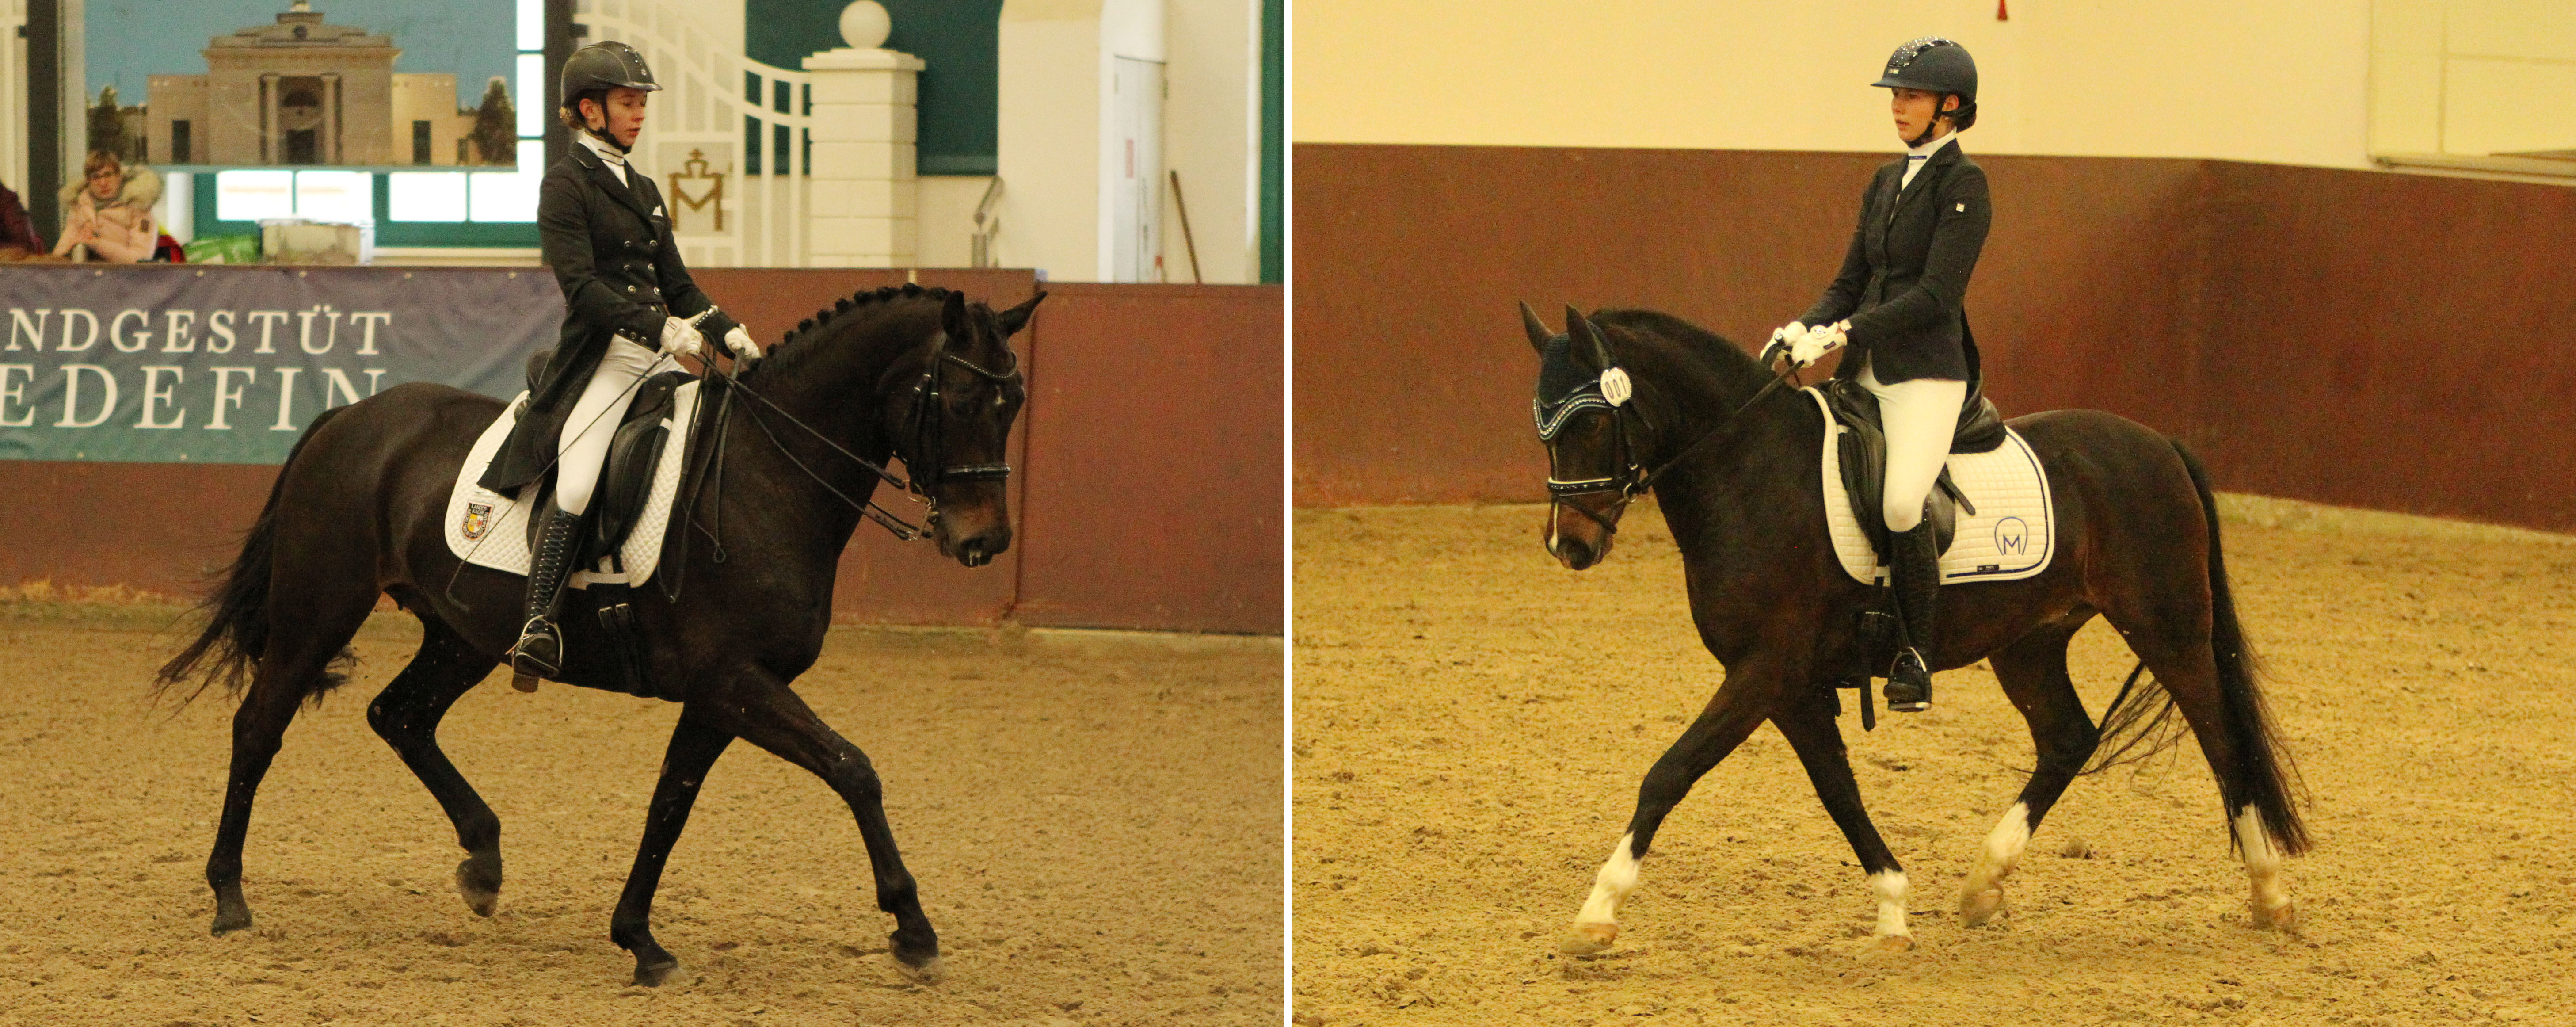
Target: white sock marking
1892, 891
2262, 860
1611, 886
2003, 848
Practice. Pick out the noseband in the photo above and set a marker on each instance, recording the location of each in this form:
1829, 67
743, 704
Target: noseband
930, 424
1552, 419
1634, 477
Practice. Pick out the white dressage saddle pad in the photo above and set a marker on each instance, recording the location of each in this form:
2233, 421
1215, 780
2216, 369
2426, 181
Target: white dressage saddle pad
488, 529
2012, 535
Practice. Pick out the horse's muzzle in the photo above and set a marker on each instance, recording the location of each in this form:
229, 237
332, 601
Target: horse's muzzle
1575, 554
1574, 540
978, 548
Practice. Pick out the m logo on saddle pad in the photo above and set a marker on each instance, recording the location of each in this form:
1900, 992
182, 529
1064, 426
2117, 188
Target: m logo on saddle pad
2012, 536
2009, 537
478, 519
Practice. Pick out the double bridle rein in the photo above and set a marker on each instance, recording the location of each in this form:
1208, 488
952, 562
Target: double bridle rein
924, 457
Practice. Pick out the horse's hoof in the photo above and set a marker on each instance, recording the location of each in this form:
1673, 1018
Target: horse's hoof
1587, 939
480, 888
651, 974
1896, 943
229, 920
928, 971
2284, 917
1976, 906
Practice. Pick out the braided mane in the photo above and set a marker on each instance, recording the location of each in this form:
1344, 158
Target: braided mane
811, 334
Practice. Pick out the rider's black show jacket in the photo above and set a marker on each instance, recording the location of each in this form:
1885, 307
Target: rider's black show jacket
611, 248
1907, 271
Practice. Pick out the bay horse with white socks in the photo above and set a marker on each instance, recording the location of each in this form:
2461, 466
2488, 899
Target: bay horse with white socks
724, 625
1734, 466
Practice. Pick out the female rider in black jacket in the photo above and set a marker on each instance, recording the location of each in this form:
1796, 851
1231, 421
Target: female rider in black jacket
1896, 303
608, 237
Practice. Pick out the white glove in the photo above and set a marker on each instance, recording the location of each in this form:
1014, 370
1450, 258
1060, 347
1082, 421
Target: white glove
1781, 339
739, 341
1819, 340
680, 338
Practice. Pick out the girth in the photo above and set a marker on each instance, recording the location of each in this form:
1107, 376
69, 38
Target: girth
1864, 458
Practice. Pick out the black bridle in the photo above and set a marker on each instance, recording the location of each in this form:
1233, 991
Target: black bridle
925, 457
1634, 478
1552, 418
930, 423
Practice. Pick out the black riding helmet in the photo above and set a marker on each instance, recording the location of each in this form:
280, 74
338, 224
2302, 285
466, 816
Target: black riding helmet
1936, 65
594, 70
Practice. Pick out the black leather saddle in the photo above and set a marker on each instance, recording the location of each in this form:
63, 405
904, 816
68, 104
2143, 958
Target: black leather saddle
626, 482
1864, 458
634, 453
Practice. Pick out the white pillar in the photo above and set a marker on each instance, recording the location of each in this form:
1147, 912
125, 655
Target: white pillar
864, 199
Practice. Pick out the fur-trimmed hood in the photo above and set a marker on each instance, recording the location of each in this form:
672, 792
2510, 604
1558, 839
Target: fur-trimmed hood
142, 189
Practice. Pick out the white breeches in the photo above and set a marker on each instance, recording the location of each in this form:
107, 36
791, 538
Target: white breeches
1920, 417
583, 447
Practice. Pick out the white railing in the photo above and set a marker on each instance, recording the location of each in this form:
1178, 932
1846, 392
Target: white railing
744, 119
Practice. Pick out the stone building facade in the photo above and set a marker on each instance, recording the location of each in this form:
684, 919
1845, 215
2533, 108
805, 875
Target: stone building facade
304, 91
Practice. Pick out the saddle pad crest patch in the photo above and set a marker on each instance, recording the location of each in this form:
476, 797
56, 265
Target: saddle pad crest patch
2012, 536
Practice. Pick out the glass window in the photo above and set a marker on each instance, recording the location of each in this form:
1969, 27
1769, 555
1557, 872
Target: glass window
252, 195
532, 24
531, 95
341, 197
2459, 85
425, 196
508, 195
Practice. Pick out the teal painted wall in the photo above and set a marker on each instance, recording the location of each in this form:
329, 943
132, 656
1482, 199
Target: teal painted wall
961, 40
1274, 78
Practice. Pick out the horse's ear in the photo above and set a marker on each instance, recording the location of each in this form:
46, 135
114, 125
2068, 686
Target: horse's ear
1016, 318
1590, 349
1538, 333
952, 319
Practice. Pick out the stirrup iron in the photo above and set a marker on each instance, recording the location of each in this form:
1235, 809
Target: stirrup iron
1909, 683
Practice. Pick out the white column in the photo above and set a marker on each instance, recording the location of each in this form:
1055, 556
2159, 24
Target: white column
864, 198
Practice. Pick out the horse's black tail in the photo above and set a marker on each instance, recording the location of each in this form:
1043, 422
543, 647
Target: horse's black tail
2140, 721
2271, 780
236, 633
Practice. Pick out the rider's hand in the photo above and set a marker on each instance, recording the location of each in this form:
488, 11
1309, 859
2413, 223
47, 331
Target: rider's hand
680, 338
739, 341
1781, 339
1819, 340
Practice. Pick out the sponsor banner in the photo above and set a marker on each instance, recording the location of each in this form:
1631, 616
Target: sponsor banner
168, 363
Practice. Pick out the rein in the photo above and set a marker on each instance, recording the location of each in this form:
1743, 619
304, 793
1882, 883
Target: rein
929, 432
1648, 481
1634, 478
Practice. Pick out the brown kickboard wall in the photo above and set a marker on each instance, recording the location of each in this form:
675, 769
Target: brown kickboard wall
1144, 495
2349, 337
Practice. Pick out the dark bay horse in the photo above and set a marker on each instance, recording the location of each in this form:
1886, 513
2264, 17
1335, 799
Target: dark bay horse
1737, 475
357, 510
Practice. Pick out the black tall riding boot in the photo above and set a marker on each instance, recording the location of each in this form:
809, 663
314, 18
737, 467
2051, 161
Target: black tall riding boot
1914, 569
539, 653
